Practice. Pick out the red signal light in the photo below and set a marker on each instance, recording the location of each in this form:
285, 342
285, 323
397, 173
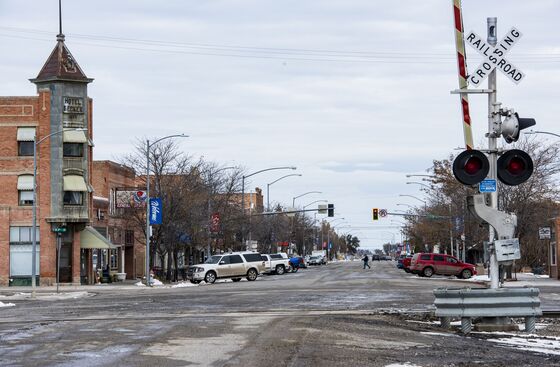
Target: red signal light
470, 167
473, 165
514, 167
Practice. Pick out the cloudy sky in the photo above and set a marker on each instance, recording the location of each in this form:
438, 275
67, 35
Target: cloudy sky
355, 93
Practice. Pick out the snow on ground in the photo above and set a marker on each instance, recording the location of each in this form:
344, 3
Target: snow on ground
532, 343
48, 296
140, 284
184, 285
406, 364
2, 304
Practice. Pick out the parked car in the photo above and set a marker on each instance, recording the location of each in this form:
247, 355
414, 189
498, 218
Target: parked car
406, 263
428, 264
316, 260
375, 258
388, 258
276, 263
235, 265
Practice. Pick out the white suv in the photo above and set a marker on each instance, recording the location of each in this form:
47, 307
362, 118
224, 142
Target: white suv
235, 265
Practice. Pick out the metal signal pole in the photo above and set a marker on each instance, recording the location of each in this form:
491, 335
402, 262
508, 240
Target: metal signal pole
493, 134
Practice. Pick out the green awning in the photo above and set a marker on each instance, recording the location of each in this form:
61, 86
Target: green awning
90, 238
74, 183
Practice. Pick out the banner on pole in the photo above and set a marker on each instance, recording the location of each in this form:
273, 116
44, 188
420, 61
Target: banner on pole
155, 211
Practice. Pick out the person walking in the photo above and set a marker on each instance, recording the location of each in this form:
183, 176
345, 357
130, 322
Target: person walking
366, 260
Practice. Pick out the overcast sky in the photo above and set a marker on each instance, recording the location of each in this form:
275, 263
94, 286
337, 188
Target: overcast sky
355, 93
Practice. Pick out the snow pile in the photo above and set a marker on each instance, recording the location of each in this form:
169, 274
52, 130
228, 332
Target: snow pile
2, 304
184, 284
478, 278
532, 343
406, 364
140, 284
156, 282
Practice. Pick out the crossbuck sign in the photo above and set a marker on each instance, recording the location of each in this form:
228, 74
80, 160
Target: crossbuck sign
495, 57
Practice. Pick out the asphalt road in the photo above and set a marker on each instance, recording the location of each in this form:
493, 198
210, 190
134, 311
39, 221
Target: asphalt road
334, 315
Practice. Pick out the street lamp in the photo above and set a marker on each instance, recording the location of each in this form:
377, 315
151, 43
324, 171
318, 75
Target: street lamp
418, 183
273, 182
306, 193
401, 204
243, 195
532, 132
34, 220
408, 176
415, 197
148, 146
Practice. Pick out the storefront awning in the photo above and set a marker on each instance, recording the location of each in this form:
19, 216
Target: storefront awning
25, 182
74, 183
74, 136
25, 133
90, 238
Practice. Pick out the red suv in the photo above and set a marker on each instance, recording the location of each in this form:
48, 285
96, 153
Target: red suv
427, 264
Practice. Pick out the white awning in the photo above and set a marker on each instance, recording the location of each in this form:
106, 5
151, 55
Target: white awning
74, 136
74, 183
25, 133
91, 238
25, 182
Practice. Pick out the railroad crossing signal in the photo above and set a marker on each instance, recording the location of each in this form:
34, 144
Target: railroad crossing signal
494, 57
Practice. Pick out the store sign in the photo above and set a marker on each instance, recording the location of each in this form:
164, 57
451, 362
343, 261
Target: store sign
73, 105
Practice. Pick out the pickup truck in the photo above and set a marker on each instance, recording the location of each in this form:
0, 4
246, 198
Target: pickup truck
276, 263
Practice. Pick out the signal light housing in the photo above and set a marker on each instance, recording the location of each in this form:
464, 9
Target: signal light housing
375, 213
512, 126
514, 167
330, 210
471, 167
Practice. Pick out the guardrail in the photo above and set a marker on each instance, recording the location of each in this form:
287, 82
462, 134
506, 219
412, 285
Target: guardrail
468, 303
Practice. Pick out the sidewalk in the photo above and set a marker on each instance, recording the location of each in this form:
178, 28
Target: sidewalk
519, 280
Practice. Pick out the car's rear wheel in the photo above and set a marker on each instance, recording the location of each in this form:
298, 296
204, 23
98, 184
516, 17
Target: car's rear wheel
428, 272
210, 277
236, 279
280, 269
466, 274
252, 275
406, 270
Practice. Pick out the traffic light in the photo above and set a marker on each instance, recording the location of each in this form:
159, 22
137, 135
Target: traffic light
471, 167
512, 126
330, 210
514, 167
375, 213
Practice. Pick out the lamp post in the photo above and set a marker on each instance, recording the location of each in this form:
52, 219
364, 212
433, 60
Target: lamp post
209, 208
414, 197
401, 204
148, 145
418, 183
34, 210
532, 132
303, 229
243, 195
344, 225
322, 233
273, 182
305, 193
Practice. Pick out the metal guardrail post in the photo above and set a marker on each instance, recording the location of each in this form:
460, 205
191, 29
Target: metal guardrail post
445, 322
530, 324
466, 325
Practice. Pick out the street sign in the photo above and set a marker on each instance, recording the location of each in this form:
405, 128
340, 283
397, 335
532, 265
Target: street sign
322, 209
155, 211
544, 233
383, 213
494, 57
487, 185
59, 230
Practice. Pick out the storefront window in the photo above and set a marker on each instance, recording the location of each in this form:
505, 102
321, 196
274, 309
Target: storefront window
552, 253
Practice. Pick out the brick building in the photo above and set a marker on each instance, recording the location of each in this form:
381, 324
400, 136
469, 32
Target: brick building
123, 232
63, 186
554, 249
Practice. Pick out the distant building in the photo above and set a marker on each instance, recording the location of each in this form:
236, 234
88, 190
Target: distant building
554, 248
253, 201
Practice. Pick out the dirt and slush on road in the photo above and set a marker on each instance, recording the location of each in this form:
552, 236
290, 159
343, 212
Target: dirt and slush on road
327, 316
